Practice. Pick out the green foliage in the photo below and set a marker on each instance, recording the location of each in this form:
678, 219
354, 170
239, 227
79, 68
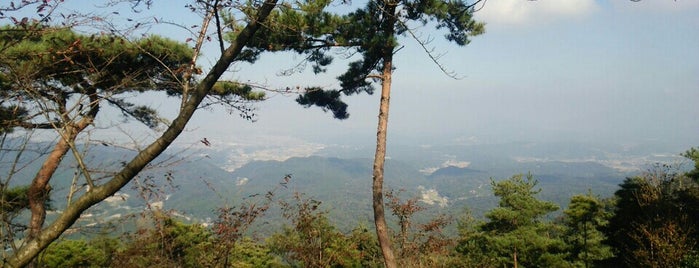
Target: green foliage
14, 199
518, 205
229, 229
584, 218
656, 219
309, 30
368, 246
169, 244
305, 28
244, 253
693, 154
111, 64
80, 253
514, 233
227, 88
327, 100
49, 67
372, 38
10, 115
250, 254
472, 245
44, 68
311, 241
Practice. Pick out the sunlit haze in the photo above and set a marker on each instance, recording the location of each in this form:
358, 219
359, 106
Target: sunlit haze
611, 72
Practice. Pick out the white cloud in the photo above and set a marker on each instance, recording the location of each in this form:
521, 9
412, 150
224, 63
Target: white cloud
522, 12
656, 6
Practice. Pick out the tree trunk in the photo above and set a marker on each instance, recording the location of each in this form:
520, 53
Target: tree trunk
379, 159
32, 247
39, 189
404, 226
380, 156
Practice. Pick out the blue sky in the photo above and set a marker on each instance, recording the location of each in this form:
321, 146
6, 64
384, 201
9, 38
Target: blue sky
566, 70
601, 71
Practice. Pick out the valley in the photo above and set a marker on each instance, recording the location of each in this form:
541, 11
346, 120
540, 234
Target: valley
194, 182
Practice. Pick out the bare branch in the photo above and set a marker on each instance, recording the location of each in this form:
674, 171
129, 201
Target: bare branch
218, 25
430, 52
197, 49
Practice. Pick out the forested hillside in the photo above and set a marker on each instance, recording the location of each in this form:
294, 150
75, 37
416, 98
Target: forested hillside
339, 183
281, 219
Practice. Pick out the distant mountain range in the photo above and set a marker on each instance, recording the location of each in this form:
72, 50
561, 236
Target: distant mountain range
195, 184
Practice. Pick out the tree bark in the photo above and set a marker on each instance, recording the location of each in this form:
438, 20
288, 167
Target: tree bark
380, 156
32, 247
404, 226
39, 189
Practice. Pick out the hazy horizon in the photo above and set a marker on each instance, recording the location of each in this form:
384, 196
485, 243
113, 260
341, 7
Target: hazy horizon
609, 72
588, 71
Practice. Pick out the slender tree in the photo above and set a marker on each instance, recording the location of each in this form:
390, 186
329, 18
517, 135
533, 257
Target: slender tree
515, 233
404, 211
311, 241
305, 29
585, 217
60, 79
374, 34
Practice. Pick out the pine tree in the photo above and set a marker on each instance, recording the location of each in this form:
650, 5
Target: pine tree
515, 233
584, 219
59, 82
374, 33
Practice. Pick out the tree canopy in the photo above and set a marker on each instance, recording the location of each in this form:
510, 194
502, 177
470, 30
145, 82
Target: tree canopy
53, 78
585, 218
655, 219
315, 33
50, 77
515, 232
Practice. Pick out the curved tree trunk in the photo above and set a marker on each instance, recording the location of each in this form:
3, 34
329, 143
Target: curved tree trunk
39, 190
380, 156
32, 247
